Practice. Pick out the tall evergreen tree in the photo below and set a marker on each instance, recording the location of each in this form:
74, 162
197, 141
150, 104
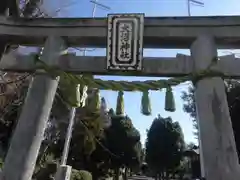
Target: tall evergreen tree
164, 146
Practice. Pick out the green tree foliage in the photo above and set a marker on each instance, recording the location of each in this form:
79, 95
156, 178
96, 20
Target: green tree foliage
80, 175
88, 129
122, 141
12, 109
96, 149
164, 145
192, 146
189, 107
47, 172
233, 97
89, 141
9, 111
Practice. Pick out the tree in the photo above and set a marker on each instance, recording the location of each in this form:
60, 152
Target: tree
192, 146
12, 6
31, 8
15, 9
123, 140
87, 133
87, 128
119, 147
189, 107
164, 146
233, 97
11, 102
96, 149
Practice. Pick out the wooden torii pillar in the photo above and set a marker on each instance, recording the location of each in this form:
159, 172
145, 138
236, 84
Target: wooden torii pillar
202, 35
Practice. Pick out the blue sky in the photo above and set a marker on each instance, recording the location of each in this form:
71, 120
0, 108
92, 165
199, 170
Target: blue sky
83, 8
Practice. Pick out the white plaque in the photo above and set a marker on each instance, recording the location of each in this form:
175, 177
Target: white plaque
125, 42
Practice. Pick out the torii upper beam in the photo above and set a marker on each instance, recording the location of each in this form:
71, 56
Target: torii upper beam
164, 32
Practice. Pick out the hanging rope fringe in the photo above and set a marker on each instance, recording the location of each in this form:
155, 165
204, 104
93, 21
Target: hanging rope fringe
93, 102
70, 92
142, 86
104, 114
169, 100
84, 95
120, 104
146, 104
103, 105
121, 86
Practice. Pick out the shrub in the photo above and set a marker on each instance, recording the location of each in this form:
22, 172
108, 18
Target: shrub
47, 172
81, 175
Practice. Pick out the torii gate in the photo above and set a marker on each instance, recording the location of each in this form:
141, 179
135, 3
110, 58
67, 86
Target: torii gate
203, 35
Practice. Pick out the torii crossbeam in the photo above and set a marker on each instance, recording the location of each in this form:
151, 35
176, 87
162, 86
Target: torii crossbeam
153, 66
159, 32
203, 35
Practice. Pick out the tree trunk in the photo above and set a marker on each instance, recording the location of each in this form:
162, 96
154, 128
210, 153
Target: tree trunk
161, 176
94, 175
167, 175
3, 7
116, 174
13, 8
130, 172
125, 173
3, 46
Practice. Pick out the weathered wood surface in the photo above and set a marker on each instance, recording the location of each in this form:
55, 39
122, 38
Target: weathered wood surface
152, 66
166, 32
219, 160
25, 144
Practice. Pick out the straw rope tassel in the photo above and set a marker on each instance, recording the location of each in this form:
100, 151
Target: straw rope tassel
146, 104
120, 104
94, 101
169, 100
